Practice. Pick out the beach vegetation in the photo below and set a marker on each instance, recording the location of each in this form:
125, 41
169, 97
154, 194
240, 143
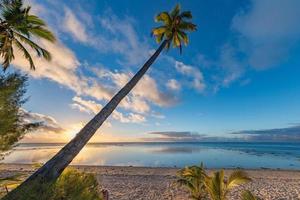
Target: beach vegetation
218, 186
192, 178
13, 125
247, 195
20, 29
202, 186
71, 185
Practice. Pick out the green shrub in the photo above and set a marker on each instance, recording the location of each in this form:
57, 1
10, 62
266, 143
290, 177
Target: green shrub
76, 185
71, 185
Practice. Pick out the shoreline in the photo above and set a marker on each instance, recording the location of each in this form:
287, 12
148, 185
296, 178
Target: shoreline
28, 165
158, 183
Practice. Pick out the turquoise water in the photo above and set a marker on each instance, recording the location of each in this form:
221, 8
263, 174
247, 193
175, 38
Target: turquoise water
214, 155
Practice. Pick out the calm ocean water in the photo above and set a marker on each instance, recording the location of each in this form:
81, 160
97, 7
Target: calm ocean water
214, 155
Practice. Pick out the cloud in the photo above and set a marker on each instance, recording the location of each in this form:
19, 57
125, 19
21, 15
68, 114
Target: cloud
158, 115
92, 107
122, 38
176, 149
175, 136
74, 26
268, 30
291, 134
130, 118
65, 69
193, 72
86, 105
49, 124
263, 33
144, 92
172, 84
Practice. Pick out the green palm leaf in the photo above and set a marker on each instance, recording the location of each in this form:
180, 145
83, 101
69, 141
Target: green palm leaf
218, 187
159, 30
186, 14
17, 27
163, 17
187, 26
42, 33
192, 178
175, 25
175, 11
236, 178
247, 195
39, 50
25, 53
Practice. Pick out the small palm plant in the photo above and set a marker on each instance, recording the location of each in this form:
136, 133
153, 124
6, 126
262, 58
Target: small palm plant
193, 178
17, 28
247, 195
218, 187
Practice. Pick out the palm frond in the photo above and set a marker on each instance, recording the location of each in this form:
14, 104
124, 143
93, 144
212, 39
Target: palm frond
39, 50
215, 185
159, 30
159, 38
175, 11
42, 33
236, 178
247, 195
187, 26
193, 178
186, 183
7, 53
25, 53
32, 19
163, 17
18, 26
186, 14
174, 27
176, 41
183, 36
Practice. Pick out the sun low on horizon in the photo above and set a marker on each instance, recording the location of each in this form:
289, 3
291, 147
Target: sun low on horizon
236, 80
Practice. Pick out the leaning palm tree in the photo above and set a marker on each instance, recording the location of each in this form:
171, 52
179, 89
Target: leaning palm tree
218, 188
172, 32
192, 178
19, 29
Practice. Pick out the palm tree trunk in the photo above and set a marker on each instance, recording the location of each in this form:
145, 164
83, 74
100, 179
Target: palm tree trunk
51, 170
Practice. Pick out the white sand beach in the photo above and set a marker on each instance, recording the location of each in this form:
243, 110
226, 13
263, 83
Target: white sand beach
147, 183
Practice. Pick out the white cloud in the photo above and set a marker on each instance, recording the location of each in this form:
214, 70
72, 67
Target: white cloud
93, 107
268, 30
264, 34
232, 67
74, 26
63, 69
130, 118
86, 105
193, 72
145, 91
49, 124
123, 38
173, 84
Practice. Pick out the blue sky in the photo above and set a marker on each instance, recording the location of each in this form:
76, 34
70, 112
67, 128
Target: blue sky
240, 71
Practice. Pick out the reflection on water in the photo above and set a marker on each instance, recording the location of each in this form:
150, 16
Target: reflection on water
175, 149
214, 155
